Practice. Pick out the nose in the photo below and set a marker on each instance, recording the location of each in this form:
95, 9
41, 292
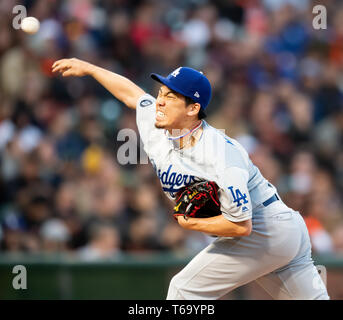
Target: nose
160, 102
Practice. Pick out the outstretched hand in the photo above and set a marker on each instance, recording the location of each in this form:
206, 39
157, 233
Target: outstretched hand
72, 67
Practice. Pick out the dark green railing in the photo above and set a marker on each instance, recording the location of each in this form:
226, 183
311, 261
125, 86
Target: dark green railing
126, 277
63, 277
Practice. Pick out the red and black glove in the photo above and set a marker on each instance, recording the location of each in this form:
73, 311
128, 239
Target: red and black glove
199, 200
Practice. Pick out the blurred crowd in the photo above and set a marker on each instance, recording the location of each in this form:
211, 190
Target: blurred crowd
277, 88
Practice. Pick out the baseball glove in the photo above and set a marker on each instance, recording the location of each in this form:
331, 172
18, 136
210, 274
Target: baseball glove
199, 200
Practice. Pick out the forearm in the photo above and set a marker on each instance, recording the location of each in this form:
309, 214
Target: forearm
122, 88
218, 226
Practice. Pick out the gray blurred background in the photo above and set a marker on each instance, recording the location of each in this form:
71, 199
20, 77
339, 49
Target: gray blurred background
85, 225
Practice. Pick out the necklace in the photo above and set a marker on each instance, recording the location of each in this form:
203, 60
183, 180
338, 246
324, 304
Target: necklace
177, 142
179, 137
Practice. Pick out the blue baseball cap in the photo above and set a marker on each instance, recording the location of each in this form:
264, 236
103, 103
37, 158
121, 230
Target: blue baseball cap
190, 83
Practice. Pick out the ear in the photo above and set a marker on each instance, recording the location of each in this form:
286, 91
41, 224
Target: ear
193, 109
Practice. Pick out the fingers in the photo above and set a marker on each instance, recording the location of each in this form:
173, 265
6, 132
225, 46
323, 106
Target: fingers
56, 63
60, 69
61, 66
68, 67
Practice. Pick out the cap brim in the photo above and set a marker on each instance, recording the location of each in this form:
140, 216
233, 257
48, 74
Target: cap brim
167, 83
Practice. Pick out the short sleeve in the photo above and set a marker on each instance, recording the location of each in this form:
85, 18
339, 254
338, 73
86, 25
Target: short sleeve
234, 195
145, 119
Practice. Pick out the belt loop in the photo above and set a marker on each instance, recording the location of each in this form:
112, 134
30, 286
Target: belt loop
272, 199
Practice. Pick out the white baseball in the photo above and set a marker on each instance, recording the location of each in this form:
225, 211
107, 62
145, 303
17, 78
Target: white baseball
30, 25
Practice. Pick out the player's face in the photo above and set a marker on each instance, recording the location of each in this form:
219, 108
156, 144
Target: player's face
171, 109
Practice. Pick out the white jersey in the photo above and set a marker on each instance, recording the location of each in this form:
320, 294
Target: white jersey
215, 157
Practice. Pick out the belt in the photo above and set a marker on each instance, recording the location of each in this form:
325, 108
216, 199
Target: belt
271, 200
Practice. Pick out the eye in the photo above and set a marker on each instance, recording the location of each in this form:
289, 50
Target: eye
171, 96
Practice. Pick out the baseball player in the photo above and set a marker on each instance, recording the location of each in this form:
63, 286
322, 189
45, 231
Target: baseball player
258, 238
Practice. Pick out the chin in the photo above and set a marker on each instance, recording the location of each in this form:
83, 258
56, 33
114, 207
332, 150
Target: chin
159, 125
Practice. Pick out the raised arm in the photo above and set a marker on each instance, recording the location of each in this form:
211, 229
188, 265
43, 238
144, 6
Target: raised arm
122, 88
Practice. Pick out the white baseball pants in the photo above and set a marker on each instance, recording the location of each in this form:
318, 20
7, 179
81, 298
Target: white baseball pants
277, 255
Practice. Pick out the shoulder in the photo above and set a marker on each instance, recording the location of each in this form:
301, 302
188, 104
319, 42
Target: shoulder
145, 109
226, 151
145, 101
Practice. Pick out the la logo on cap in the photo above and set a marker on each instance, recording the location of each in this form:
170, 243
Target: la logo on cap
176, 72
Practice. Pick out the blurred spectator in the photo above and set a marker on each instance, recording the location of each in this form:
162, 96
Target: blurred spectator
12, 233
55, 235
277, 89
337, 239
104, 243
143, 235
320, 238
174, 238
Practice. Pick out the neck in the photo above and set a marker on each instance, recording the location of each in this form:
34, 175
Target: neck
183, 129
187, 136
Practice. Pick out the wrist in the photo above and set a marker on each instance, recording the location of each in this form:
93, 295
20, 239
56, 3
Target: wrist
90, 69
185, 223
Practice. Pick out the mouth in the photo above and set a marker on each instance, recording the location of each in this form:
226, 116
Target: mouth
160, 115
